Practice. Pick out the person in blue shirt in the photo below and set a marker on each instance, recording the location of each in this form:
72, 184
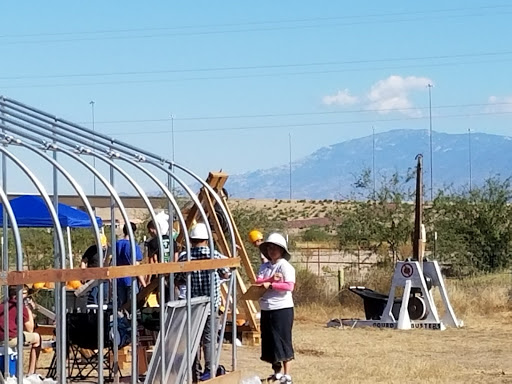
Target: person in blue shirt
124, 257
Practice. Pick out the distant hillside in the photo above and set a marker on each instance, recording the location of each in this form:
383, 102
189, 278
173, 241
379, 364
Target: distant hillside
330, 171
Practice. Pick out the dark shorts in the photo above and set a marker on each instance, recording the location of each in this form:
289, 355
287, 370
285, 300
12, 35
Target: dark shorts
276, 335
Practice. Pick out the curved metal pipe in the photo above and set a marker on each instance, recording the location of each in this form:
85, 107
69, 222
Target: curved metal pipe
181, 219
202, 213
94, 224
152, 213
121, 147
111, 191
19, 289
60, 237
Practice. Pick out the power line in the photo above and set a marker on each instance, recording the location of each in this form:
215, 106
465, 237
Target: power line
213, 32
301, 125
246, 76
345, 17
290, 114
267, 66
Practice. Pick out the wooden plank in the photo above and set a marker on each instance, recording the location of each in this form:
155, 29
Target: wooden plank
242, 252
248, 306
219, 234
234, 377
46, 330
108, 273
45, 312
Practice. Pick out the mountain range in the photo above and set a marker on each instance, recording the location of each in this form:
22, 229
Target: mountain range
330, 172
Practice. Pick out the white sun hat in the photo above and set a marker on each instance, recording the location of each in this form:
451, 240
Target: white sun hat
277, 239
199, 232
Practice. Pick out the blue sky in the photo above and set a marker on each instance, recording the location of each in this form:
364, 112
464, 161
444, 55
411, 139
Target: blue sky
241, 77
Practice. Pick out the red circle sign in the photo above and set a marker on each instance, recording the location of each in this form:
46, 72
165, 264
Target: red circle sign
407, 270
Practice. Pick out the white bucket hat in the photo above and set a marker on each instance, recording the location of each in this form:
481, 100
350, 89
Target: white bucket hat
277, 239
199, 232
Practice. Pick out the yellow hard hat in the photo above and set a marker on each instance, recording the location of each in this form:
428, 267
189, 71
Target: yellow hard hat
255, 235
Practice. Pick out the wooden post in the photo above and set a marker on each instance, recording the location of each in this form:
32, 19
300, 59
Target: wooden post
418, 213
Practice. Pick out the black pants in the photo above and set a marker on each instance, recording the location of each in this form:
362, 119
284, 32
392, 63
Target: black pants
276, 335
206, 339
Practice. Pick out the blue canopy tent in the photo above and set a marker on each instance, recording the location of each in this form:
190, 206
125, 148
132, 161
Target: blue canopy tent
31, 211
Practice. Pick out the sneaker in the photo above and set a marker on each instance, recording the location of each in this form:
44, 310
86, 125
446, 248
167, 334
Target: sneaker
286, 379
205, 376
33, 378
275, 377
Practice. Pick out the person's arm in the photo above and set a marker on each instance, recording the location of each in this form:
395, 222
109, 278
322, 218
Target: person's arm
29, 324
280, 286
261, 279
138, 258
83, 264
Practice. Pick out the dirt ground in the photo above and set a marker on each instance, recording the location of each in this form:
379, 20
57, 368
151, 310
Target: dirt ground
481, 352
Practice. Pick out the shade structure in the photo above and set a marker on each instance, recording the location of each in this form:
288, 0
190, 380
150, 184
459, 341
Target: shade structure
31, 211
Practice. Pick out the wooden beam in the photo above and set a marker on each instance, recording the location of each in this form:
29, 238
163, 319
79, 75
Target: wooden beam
108, 273
242, 252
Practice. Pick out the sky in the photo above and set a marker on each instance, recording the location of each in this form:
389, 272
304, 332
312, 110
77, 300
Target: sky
244, 85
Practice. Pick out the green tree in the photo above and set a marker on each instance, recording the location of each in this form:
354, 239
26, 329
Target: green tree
383, 218
474, 227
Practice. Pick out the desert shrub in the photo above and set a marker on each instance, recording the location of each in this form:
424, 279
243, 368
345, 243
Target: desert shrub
316, 234
310, 288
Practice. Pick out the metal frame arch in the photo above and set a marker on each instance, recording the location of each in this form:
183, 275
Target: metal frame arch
102, 179
92, 216
196, 201
131, 235
51, 125
171, 198
118, 145
19, 294
75, 157
60, 241
167, 192
107, 159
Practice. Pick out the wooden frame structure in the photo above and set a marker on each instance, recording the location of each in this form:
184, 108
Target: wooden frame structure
217, 180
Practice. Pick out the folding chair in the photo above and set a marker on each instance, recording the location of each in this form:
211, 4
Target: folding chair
83, 345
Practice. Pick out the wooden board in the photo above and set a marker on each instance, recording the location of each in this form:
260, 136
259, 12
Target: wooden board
108, 273
254, 293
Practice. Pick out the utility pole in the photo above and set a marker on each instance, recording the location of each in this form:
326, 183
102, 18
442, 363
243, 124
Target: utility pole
470, 166
290, 147
172, 156
373, 162
431, 150
93, 158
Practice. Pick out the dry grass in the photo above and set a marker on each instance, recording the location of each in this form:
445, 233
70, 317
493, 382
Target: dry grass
478, 353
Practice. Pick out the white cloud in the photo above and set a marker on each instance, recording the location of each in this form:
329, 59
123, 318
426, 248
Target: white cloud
341, 98
393, 94
499, 104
